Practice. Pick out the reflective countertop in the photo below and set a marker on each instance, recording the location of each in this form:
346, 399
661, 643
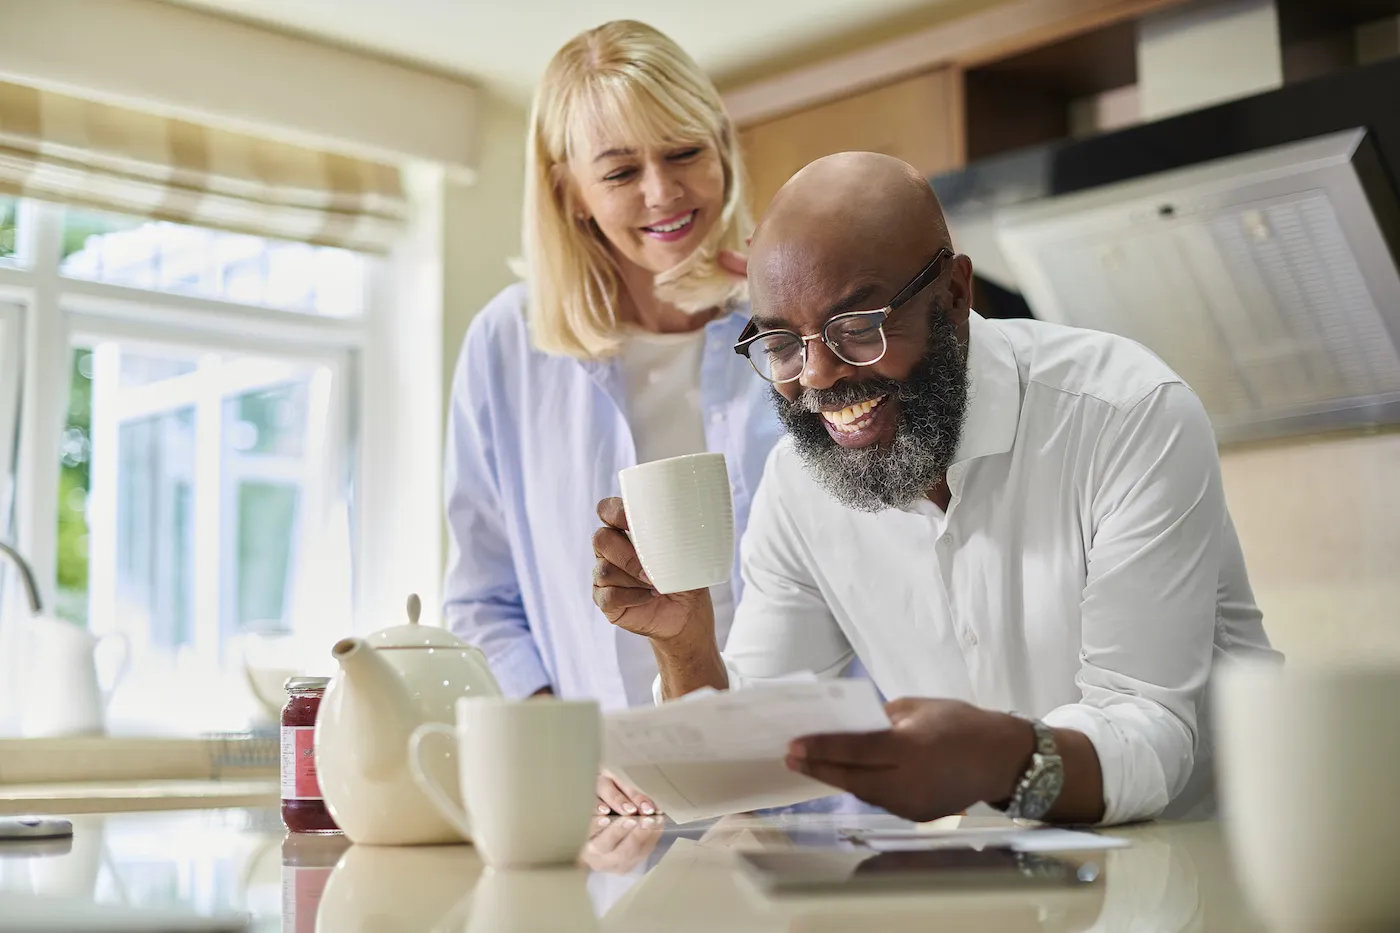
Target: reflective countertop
642, 875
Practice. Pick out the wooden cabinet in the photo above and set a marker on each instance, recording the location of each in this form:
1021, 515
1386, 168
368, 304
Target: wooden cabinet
918, 119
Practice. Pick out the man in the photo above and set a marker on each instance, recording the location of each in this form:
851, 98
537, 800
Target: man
1023, 520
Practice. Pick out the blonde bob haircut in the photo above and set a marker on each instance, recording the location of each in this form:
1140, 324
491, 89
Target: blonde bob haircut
628, 77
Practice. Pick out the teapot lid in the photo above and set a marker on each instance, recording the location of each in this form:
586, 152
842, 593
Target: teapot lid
414, 635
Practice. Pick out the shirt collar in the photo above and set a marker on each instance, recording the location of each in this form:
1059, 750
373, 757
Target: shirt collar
994, 392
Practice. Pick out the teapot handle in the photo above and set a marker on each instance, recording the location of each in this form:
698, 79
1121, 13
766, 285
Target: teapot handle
453, 813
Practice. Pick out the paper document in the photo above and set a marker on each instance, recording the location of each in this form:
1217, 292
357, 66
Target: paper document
1016, 839
723, 752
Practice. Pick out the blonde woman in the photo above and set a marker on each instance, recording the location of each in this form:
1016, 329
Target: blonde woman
616, 349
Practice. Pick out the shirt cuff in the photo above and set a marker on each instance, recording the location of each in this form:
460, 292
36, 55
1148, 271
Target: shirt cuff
518, 669
1134, 784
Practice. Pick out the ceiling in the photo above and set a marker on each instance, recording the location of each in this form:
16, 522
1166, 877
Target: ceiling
505, 44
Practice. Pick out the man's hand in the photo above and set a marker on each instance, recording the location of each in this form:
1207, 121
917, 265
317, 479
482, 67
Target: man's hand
938, 757
617, 846
621, 588
615, 796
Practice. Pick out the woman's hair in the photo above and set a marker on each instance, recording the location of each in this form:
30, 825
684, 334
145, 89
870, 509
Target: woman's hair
624, 75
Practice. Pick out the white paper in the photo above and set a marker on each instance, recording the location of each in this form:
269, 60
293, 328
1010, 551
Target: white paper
723, 752
1019, 840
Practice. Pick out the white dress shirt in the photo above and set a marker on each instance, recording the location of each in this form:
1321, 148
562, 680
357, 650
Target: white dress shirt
1086, 573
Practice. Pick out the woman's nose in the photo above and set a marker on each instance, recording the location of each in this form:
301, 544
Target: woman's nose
660, 186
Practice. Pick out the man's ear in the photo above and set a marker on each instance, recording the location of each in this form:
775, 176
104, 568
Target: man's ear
960, 289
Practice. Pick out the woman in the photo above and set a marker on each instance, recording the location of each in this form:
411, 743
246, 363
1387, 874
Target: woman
615, 350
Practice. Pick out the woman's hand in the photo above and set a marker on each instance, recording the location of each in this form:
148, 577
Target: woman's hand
736, 264
615, 796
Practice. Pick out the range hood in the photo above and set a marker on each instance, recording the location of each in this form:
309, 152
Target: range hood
1264, 279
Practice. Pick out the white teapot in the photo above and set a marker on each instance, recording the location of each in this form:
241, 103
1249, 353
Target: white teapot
388, 684
59, 692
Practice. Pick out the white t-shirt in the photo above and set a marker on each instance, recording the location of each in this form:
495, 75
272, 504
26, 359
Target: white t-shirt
662, 373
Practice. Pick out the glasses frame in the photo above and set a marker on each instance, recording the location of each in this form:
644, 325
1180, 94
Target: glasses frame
751, 334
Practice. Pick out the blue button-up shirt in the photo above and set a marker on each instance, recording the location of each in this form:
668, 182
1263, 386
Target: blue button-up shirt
533, 442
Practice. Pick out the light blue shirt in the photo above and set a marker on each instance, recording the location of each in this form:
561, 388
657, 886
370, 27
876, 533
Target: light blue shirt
534, 441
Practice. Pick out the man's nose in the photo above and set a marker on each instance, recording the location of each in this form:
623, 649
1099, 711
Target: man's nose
823, 368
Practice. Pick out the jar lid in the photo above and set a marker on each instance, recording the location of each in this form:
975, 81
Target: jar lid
414, 635
299, 684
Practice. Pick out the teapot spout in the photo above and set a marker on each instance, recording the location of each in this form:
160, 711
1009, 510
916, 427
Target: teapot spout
378, 708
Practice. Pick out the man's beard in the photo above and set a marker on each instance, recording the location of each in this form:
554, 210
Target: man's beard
932, 406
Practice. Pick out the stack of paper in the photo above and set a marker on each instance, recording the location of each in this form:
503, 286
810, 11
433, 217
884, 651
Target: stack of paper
716, 753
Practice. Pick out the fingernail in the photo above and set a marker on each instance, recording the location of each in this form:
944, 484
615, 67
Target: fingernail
629, 808
648, 809
797, 751
603, 810
629, 823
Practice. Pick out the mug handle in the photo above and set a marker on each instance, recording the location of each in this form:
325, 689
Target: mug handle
121, 668
445, 804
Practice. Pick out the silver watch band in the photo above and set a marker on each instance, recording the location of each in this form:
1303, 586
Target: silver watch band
1039, 787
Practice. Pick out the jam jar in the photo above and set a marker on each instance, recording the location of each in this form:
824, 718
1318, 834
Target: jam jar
303, 810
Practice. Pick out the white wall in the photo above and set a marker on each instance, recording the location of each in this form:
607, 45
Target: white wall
1206, 53
1319, 519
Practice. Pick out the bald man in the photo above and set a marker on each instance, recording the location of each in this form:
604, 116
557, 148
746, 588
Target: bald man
1018, 528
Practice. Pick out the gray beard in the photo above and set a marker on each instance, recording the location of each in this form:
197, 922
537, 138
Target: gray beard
932, 408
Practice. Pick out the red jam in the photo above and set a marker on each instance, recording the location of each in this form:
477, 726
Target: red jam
303, 810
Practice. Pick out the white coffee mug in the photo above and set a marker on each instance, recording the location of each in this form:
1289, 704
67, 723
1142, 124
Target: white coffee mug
681, 520
528, 769
1309, 761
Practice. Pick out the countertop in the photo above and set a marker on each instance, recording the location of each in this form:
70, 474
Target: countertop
644, 876
110, 796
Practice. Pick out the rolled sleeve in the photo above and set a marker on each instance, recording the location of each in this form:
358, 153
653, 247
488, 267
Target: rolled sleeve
1149, 602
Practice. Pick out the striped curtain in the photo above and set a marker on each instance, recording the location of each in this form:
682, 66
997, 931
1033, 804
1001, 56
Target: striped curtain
73, 151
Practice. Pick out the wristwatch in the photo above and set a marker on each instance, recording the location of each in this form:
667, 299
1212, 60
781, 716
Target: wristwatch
1040, 786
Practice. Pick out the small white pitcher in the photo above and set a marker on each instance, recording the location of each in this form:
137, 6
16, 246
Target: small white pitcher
60, 695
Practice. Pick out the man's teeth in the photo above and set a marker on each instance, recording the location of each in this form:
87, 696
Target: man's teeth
673, 227
854, 417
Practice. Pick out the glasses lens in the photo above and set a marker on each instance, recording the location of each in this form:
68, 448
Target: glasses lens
859, 338
777, 357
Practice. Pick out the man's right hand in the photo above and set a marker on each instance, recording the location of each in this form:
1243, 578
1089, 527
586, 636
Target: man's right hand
621, 588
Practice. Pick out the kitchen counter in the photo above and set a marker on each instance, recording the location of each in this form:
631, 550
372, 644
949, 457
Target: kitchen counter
109, 796
648, 876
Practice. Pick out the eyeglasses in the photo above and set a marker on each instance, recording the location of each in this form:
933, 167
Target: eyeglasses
857, 337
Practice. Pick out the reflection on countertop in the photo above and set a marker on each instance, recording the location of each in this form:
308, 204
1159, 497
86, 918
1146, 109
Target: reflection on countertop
642, 875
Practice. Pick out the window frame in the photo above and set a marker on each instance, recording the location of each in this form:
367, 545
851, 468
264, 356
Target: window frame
58, 313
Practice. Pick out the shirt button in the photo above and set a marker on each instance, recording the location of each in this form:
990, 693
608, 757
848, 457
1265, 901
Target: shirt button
946, 539
970, 638
717, 417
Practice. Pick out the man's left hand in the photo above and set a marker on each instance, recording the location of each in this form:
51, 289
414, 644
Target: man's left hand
938, 757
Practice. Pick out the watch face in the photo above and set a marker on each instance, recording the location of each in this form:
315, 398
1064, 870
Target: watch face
1043, 791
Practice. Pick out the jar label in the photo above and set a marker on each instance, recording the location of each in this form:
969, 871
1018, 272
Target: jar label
299, 764
301, 897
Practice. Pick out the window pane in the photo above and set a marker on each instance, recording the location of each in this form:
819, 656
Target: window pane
9, 209
188, 474
237, 267
155, 526
266, 523
74, 484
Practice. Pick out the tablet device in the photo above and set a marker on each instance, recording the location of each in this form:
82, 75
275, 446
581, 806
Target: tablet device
849, 871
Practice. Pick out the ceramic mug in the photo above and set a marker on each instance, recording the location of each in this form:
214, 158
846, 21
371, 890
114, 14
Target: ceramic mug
680, 518
527, 771
1308, 759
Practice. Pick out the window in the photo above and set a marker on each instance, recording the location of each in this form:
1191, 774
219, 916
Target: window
212, 264
204, 453
9, 208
